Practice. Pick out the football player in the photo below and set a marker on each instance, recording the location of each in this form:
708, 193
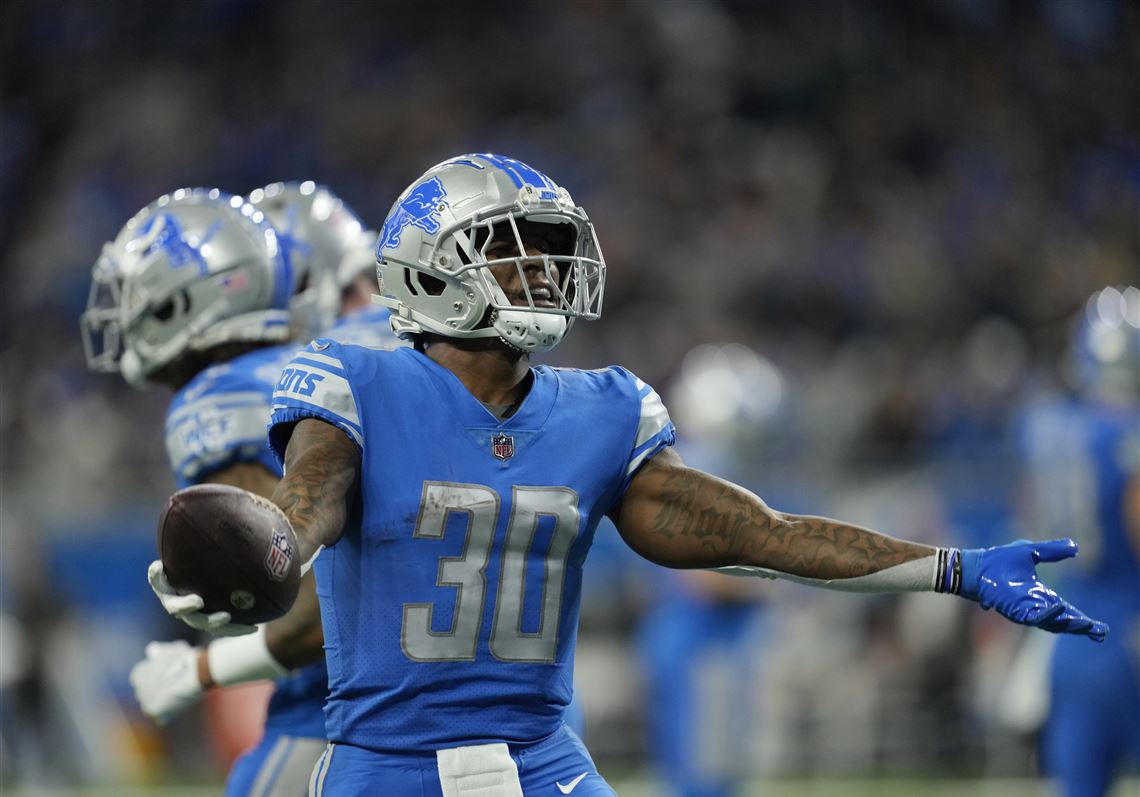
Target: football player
450, 612
193, 275
1083, 467
315, 227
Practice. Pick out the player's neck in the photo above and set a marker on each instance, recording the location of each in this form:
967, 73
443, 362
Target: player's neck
178, 373
491, 371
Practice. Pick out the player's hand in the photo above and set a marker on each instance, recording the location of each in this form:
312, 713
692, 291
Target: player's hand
1005, 579
188, 607
166, 681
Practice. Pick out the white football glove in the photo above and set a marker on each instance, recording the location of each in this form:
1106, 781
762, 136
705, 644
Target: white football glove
188, 607
166, 681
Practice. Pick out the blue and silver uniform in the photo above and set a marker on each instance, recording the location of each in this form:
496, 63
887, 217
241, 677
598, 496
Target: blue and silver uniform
1081, 459
217, 420
451, 614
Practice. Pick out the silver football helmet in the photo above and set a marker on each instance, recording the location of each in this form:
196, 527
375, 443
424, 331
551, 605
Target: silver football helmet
317, 232
433, 267
194, 269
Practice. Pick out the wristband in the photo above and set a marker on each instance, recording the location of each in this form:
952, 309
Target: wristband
241, 659
948, 571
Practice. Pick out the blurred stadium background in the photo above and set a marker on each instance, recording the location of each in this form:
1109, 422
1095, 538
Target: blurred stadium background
890, 210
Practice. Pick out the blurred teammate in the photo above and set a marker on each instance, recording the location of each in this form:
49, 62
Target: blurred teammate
1083, 459
178, 271
702, 642
203, 290
450, 614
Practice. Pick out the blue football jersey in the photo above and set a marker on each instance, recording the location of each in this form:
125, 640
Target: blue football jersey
218, 417
1080, 458
451, 612
216, 420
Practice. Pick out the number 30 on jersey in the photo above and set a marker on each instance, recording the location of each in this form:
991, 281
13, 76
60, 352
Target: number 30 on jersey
467, 572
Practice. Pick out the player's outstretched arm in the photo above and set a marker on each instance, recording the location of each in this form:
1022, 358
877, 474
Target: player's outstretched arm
681, 517
322, 468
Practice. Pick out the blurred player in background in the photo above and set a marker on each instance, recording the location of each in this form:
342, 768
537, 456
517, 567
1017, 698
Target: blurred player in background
203, 307
450, 613
177, 268
317, 230
702, 642
1083, 465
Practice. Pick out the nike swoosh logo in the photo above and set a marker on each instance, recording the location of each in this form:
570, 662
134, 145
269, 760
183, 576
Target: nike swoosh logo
569, 787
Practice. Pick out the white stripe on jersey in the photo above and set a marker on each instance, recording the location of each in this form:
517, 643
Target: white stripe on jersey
214, 434
635, 463
654, 417
309, 354
246, 397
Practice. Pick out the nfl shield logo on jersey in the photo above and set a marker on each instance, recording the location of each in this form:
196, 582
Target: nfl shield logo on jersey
279, 558
502, 446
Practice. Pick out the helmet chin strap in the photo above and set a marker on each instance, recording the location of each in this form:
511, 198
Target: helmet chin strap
528, 331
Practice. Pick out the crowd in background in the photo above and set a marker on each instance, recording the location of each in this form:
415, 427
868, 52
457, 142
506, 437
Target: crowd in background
894, 207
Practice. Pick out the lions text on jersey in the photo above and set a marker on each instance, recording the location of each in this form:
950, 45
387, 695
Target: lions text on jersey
451, 612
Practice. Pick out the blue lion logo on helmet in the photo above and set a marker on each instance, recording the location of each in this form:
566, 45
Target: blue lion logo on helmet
419, 207
166, 236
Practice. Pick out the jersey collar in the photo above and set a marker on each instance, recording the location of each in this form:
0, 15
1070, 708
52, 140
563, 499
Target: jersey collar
531, 414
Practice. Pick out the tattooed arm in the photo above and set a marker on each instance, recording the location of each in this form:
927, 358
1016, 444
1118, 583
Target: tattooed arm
322, 468
684, 518
680, 517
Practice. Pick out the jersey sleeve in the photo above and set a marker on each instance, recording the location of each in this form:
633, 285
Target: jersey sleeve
655, 430
314, 385
221, 427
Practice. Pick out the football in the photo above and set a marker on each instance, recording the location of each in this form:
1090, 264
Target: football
234, 548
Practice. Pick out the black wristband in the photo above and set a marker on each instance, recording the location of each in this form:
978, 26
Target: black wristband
949, 571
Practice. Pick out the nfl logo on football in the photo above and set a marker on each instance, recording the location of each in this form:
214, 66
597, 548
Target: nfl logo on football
279, 557
503, 446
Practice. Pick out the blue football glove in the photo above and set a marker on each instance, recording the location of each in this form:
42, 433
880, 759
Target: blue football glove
1005, 579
